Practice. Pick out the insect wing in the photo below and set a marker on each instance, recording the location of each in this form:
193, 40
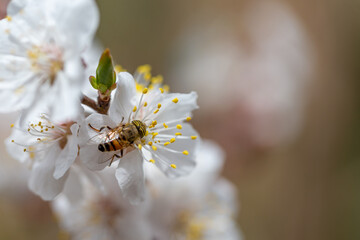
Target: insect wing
103, 137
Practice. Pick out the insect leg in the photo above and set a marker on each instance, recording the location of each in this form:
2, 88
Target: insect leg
99, 130
115, 155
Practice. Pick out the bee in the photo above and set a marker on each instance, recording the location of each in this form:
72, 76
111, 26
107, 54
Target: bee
120, 137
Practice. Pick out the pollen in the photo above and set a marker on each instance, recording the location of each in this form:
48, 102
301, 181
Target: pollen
165, 126
178, 126
119, 68
154, 123
8, 18
167, 143
135, 108
185, 152
188, 118
172, 140
150, 143
28, 129
145, 91
175, 100
159, 105
161, 90
193, 137
152, 160
157, 80
139, 146
146, 133
145, 104
178, 134
154, 134
154, 148
173, 166
156, 111
24, 149
144, 68
12, 140
12, 125
147, 76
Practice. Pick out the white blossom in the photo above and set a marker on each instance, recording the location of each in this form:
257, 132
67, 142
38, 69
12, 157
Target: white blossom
40, 56
199, 206
169, 142
49, 150
102, 214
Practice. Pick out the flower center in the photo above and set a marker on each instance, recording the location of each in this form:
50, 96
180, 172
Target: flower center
46, 59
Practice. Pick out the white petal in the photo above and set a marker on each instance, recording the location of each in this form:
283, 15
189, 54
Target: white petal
76, 20
73, 188
15, 6
124, 99
68, 155
93, 158
180, 110
164, 156
41, 180
130, 176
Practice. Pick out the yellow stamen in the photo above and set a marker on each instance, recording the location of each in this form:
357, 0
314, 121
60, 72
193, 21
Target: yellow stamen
178, 134
165, 126
28, 129
167, 143
145, 91
156, 111
188, 118
152, 160
135, 108
139, 146
24, 149
172, 140
159, 105
8, 18
173, 166
12, 125
175, 100
185, 152
147, 76
161, 90
150, 143
154, 147
12, 140
193, 137
178, 126
144, 68
118, 68
166, 88
146, 133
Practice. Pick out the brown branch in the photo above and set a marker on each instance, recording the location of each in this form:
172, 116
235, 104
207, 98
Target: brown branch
90, 103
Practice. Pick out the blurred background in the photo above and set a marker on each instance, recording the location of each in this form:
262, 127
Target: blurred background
278, 85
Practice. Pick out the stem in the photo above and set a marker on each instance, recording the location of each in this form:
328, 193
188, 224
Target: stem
100, 108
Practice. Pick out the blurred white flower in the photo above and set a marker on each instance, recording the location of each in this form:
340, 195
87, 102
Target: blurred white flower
40, 56
102, 214
198, 206
260, 76
154, 127
49, 150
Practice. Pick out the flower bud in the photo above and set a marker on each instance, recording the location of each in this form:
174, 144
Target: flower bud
105, 75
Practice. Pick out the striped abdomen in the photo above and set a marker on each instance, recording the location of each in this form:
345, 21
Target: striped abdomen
113, 145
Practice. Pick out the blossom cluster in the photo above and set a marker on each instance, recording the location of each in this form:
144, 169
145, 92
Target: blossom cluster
106, 149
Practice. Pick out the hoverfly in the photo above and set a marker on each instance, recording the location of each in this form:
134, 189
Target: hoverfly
120, 137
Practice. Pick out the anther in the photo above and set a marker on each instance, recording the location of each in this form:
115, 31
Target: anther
154, 147
178, 134
145, 91
188, 118
173, 166
139, 146
161, 90
150, 143
156, 111
178, 126
8, 18
152, 160
193, 137
12, 125
134, 109
159, 105
12, 140
185, 152
145, 104
167, 143
172, 140
175, 100
165, 126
